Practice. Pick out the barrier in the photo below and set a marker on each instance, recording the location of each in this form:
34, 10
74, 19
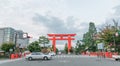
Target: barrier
102, 54
16, 55
110, 55
12, 56
106, 54
93, 54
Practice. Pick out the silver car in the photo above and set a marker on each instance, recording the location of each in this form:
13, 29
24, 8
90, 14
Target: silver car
38, 55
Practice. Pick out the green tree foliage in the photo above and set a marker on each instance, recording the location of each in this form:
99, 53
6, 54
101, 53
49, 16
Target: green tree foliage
107, 34
88, 38
7, 46
79, 48
57, 50
34, 47
92, 33
66, 48
72, 50
43, 40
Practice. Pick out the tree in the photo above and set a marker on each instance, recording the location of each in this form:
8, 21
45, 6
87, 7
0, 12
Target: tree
34, 47
57, 50
43, 40
78, 47
92, 33
88, 38
7, 46
107, 34
72, 49
66, 48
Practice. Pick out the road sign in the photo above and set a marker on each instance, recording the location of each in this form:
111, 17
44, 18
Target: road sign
100, 46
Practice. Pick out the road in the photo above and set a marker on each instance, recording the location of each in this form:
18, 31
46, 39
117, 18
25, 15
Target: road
66, 60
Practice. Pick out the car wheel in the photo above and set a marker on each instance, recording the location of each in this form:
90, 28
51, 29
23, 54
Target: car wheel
30, 58
45, 58
116, 59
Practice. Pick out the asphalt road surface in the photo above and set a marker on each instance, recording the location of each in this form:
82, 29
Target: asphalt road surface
66, 60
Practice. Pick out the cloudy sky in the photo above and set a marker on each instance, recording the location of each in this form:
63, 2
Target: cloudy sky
40, 17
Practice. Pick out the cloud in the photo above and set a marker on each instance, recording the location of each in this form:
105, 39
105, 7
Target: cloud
54, 24
115, 14
57, 25
117, 10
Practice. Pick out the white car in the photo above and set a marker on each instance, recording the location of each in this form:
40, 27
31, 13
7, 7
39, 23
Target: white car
38, 55
116, 57
52, 53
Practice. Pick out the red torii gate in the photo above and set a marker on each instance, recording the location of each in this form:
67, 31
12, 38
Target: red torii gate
61, 37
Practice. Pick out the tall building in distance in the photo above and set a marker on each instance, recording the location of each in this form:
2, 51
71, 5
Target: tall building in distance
9, 34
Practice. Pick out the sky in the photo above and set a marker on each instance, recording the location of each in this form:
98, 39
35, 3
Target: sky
40, 17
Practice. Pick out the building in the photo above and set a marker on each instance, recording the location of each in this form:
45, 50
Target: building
21, 41
9, 34
19, 34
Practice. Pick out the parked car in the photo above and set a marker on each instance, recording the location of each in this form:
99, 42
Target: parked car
52, 53
38, 55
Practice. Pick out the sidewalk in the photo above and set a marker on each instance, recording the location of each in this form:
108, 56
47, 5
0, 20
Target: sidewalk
9, 60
